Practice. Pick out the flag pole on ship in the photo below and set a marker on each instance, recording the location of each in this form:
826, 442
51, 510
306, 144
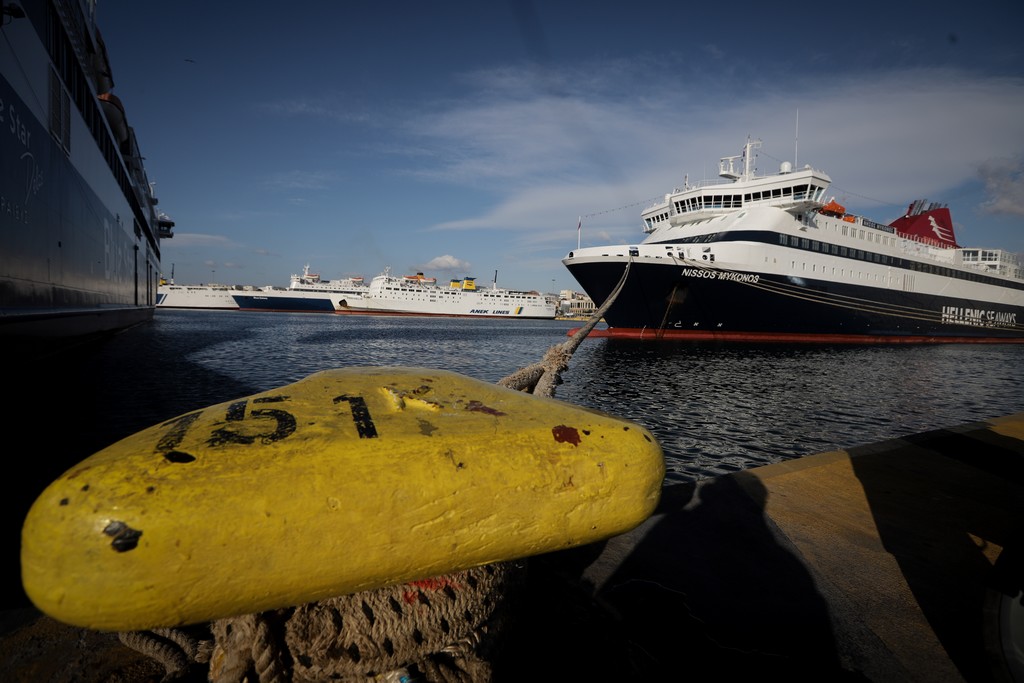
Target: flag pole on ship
579, 229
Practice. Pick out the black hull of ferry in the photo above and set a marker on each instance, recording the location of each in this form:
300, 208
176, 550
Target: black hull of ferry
324, 304
74, 261
68, 267
657, 301
284, 304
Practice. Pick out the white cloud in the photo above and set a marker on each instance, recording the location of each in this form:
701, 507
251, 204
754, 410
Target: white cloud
446, 264
1004, 185
885, 139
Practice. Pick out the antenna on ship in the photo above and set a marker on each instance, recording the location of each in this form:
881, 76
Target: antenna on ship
748, 160
796, 142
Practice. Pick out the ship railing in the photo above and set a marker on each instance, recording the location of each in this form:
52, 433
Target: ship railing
881, 227
1011, 270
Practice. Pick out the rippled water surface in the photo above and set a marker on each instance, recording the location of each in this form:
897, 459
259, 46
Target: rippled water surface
714, 408
720, 408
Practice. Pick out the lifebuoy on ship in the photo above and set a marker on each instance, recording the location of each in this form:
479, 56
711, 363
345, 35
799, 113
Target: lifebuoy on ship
114, 111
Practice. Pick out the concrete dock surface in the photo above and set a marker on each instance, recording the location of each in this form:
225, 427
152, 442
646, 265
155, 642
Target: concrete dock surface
894, 561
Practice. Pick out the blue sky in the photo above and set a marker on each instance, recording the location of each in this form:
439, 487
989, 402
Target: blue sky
464, 138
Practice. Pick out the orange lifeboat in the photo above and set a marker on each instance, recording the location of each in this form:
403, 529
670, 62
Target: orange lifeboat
114, 111
833, 208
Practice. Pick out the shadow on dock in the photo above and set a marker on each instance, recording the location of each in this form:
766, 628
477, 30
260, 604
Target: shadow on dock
895, 561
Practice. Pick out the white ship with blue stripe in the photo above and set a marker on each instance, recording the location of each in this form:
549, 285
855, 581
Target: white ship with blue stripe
767, 258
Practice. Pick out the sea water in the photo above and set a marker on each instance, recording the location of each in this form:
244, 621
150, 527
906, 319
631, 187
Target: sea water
715, 408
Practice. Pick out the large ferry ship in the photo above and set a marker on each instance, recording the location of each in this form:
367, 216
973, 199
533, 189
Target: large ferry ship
771, 258
79, 228
306, 293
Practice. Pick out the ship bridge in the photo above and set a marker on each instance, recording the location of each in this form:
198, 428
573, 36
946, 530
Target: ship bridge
803, 189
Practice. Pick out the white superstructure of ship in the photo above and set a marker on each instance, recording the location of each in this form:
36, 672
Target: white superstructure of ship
773, 258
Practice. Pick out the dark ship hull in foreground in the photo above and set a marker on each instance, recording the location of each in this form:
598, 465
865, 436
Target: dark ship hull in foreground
79, 229
766, 258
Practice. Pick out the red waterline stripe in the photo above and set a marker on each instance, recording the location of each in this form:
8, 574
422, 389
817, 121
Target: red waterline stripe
696, 335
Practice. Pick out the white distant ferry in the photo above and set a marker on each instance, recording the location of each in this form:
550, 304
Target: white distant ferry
767, 258
218, 297
419, 295
387, 294
306, 293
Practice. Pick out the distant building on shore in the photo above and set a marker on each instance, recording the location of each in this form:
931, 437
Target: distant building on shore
575, 305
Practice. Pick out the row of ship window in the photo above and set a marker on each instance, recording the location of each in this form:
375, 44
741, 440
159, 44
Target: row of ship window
806, 244
737, 201
980, 255
454, 292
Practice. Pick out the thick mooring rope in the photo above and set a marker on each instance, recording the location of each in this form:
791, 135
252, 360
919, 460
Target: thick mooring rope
176, 649
440, 630
541, 378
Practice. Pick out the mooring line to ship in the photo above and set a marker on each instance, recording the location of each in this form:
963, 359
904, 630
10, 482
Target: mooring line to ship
178, 648
849, 302
668, 309
542, 377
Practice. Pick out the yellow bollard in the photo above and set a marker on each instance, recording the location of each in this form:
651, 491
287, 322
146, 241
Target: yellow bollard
347, 480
